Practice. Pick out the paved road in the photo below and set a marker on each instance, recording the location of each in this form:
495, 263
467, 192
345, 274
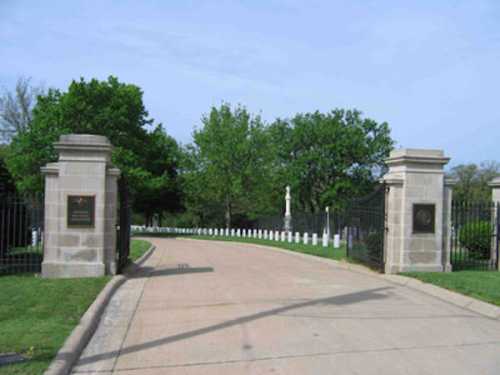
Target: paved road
202, 307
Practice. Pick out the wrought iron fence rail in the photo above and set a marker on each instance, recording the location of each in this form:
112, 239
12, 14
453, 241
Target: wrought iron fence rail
21, 233
474, 236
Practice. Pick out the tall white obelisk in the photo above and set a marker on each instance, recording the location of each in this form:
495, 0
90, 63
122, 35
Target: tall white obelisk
288, 212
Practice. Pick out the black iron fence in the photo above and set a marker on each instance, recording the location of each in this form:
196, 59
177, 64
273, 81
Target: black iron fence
123, 229
21, 233
366, 228
474, 236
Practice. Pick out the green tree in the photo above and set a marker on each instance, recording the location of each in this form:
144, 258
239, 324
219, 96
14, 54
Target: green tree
328, 158
6, 183
108, 108
472, 181
160, 191
227, 166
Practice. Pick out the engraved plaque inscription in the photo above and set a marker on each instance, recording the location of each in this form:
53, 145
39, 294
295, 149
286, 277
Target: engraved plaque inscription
424, 218
81, 211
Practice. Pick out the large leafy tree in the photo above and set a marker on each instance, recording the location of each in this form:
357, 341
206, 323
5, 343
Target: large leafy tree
160, 190
110, 108
328, 158
227, 166
6, 183
472, 181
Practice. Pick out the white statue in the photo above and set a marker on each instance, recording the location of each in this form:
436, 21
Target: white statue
288, 212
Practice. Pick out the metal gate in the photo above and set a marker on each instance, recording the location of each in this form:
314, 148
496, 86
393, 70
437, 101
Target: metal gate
21, 233
366, 229
123, 229
474, 236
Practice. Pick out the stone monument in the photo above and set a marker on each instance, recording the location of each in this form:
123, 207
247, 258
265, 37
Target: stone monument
495, 197
288, 212
80, 209
418, 209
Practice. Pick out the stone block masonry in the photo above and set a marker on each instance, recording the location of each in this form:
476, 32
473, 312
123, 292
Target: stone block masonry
80, 209
417, 206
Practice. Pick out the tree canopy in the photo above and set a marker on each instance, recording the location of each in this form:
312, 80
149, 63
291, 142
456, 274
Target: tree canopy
227, 165
16, 108
472, 181
110, 108
238, 165
328, 158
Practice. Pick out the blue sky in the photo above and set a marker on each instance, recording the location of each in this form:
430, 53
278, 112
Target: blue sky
431, 69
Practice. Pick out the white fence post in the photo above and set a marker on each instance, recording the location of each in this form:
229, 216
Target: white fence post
336, 241
325, 240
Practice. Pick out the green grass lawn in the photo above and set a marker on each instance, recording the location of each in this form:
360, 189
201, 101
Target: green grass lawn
138, 248
37, 315
320, 251
483, 285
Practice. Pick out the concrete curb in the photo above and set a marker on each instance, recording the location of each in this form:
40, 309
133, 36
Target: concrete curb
469, 303
80, 336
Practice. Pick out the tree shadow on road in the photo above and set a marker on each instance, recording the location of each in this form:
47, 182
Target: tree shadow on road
181, 269
344, 299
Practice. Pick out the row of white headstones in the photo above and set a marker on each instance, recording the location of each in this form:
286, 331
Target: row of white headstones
264, 234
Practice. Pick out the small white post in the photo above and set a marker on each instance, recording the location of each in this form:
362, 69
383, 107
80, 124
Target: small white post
271, 235
306, 238
336, 241
259, 234
283, 236
276, 235
34, 237
216, 232
315, 239
325, 240
297, 237
238, 232
290, 237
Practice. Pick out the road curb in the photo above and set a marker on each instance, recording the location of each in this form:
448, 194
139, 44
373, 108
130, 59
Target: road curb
469, 303
74, 345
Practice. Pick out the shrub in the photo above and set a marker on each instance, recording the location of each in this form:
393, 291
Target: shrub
476, 238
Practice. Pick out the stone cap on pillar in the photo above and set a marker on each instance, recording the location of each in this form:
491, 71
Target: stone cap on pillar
495, 183
416, 160
84, 147
414, 155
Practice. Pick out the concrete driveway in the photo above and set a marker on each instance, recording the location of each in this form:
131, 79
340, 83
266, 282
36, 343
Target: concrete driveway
202, 307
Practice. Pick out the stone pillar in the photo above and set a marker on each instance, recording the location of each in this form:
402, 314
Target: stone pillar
495, 197
418, 207
80, 209
495, 190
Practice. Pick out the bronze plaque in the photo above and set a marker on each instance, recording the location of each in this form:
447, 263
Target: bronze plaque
424, 218
81, 211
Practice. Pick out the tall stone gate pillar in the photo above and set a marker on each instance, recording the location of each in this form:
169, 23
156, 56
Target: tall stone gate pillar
80, 209
495, 197
418, 212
